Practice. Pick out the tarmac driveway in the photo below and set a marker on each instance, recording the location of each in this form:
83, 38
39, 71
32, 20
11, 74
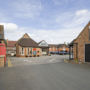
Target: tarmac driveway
50, 76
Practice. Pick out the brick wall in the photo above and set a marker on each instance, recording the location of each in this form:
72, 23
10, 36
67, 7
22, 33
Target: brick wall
82, 39
27, 51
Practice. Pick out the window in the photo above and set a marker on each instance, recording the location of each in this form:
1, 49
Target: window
28, 51
0, 36
43, 50
64, 48
89, 32
22, 51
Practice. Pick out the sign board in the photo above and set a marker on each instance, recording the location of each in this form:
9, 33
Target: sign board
34, 52
34, 49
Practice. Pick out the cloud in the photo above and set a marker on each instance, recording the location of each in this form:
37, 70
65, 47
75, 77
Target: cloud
82, 16
55, 36
71, 24
14, 32
9, 26
73, 19
27, 8
81, 12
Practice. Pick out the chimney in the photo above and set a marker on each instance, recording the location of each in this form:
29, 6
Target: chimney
1, 32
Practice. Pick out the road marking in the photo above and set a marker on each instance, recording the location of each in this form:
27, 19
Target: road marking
26, 60
9, 63
52, 60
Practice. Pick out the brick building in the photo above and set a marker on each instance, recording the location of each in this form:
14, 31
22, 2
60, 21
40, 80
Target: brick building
11, 48
26, 47
58, 48
63, 47
53, 48
80, 47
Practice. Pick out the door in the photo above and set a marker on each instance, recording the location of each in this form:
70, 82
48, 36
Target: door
87, 53
44, 51
34, 52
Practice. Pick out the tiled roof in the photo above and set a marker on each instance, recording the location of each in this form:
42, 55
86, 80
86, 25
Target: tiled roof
40, 42
53, 45
27, 42
58, 45
42, 46
11, 43
61, 45
71, 44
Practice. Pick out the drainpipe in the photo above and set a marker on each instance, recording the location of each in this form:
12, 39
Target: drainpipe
77, 50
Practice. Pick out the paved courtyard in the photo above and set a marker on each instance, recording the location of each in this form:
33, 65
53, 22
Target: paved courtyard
18, 61
45, 75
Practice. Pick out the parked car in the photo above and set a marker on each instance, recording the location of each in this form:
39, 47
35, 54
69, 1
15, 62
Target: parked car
54, 52
63, 53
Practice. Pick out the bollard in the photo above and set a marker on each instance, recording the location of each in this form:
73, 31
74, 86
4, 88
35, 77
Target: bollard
2, 59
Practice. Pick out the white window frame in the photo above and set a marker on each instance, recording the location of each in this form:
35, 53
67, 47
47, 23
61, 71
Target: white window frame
22, 51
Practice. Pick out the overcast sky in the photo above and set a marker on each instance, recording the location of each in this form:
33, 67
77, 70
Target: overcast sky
56, 21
